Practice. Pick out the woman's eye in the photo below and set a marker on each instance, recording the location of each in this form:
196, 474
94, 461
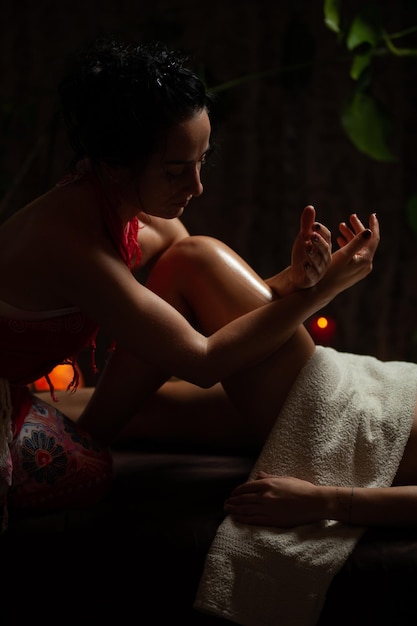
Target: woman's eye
207, 156
175, 169
179, 169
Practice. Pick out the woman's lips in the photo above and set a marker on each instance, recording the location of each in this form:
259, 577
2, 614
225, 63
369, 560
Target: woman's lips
181, 204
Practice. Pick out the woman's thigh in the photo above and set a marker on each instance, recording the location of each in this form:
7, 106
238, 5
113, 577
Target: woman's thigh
208, 282
211, 285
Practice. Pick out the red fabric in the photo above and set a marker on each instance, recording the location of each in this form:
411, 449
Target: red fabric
31, 348
21, 399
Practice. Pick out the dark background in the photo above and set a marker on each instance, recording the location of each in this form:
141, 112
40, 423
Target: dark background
281, 145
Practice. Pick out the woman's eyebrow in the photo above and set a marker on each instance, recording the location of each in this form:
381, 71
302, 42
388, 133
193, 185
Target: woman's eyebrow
179, 162
184, 161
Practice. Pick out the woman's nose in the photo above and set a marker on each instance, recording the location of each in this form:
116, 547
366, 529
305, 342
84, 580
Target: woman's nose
195, 186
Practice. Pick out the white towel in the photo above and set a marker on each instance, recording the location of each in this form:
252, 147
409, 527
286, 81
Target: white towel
345, 422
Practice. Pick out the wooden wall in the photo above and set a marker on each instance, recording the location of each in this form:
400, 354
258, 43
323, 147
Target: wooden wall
281, 145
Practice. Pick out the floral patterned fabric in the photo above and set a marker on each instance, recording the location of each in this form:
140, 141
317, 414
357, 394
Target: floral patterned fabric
55, 464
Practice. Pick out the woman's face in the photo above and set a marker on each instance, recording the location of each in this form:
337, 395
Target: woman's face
171, 176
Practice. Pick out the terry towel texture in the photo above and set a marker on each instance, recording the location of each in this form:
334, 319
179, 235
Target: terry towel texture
345, 422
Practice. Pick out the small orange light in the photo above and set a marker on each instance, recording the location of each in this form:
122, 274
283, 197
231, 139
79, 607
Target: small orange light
61, 376
322, 329
322, 322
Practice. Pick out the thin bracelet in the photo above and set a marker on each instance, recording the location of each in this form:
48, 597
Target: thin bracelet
351, 505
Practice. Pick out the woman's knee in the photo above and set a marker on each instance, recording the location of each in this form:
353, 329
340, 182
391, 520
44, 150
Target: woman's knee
176, 270
200, 264
188, 254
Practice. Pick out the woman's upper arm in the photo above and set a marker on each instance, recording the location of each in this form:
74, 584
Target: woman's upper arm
99, 283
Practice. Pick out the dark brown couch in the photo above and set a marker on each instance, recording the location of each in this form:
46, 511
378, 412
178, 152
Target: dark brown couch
137, 556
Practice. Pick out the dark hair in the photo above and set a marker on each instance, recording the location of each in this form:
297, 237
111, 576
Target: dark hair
118, 99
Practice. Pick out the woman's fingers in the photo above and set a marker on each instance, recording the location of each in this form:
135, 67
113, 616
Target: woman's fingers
347, 233
311, 252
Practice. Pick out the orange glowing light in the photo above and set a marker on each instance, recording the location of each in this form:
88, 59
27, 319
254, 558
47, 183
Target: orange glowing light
61, 376
322, 329
322, 322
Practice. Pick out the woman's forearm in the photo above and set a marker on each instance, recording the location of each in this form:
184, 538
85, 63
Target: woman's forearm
281, 284
367, 506
286, 501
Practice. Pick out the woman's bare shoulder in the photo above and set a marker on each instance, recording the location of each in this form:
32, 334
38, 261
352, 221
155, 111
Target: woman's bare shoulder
47, 241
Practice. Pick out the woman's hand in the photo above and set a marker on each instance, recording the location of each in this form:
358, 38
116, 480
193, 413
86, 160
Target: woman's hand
310, 257
354, 259
279, 501
311, 251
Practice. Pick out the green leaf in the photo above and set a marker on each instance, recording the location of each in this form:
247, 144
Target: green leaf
365, 28
332, 15
361, 62
411, 210
399, 52
368, 127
